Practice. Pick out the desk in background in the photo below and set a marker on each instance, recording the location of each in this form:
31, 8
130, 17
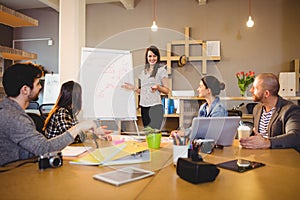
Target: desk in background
279, 179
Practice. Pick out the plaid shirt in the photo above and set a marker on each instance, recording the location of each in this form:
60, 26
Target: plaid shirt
60, 122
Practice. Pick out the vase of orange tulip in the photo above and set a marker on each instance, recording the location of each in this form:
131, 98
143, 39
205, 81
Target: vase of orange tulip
244, 80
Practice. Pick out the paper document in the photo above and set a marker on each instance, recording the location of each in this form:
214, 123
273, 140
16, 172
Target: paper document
73, 151
127, 152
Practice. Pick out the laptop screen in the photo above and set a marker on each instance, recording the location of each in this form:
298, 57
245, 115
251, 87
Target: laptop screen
221, 129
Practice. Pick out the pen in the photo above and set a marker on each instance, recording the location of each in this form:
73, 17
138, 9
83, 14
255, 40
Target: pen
186, 140
177, 140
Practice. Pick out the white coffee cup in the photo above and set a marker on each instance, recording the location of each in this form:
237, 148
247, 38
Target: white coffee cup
179, 151
243, 131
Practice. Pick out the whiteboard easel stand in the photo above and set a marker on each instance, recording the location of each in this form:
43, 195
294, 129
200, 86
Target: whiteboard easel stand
118, 122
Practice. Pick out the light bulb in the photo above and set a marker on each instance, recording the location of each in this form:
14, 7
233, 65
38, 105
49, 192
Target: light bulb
250, 22
154, 27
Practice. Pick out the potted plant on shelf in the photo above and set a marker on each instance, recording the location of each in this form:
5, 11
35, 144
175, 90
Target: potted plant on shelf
244, 80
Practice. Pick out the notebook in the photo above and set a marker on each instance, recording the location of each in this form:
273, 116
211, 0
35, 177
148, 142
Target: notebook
221, 129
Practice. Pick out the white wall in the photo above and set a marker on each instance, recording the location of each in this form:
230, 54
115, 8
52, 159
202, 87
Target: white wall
268, 47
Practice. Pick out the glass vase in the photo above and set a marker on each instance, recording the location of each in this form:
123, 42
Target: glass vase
242, 93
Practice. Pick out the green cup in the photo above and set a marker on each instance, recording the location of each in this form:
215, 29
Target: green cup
153, 140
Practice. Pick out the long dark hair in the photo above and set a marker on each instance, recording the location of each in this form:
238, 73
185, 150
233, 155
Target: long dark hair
70, 97
156, 52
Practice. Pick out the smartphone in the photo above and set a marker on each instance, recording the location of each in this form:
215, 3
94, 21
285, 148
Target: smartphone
243, 163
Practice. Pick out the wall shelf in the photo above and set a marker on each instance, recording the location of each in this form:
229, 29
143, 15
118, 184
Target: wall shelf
186, 43
16, 54
15, 19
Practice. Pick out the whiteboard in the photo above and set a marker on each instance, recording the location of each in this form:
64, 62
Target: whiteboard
102, 73
51, 88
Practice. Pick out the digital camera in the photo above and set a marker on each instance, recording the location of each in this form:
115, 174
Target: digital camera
48, 160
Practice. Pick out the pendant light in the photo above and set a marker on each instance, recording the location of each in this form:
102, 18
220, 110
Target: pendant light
154, 26
250, 22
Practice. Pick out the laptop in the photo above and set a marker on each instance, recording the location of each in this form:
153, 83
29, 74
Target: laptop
221, 129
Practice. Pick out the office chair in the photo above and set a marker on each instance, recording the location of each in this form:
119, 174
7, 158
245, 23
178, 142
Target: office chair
33, 105
250, 107
38, 120
235, 113
45, 109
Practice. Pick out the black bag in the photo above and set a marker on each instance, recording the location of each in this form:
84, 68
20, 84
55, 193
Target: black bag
196, 172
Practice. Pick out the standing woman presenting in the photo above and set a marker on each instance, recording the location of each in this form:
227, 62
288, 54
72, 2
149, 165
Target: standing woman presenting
154, 80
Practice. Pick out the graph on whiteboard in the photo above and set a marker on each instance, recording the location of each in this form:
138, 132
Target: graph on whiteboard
103, 71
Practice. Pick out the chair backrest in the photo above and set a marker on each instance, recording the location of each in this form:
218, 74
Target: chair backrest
45, 109
250, 107
234, 113
38, 120
33, 105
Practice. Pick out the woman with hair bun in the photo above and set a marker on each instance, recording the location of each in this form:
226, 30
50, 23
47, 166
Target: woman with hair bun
209, 88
